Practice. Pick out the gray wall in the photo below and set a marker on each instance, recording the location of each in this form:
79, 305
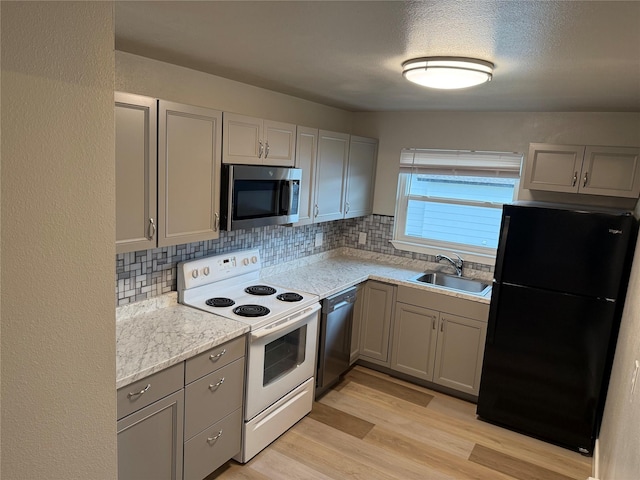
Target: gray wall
502, 131
58, 406
619, 455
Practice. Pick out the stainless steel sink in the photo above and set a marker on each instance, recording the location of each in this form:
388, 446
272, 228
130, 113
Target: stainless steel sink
453, 282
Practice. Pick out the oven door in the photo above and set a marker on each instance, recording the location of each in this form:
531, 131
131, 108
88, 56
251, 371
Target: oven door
281, 356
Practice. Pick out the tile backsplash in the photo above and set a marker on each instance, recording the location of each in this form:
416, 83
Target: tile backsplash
149, 273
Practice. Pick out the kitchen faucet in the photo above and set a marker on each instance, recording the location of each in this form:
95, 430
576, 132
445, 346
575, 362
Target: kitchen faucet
457, 264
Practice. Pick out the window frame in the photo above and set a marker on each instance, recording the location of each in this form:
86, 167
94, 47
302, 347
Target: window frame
431, 246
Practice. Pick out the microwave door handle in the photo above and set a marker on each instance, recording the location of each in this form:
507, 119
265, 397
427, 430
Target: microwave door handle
285, 198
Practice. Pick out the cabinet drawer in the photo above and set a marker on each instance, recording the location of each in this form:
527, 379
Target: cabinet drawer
213, 397
443, 303
213, 359
154, 386
213, 447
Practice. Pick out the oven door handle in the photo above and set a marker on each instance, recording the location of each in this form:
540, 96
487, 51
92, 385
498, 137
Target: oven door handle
294, 320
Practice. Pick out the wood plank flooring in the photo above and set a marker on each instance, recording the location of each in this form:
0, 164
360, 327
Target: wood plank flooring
375, 427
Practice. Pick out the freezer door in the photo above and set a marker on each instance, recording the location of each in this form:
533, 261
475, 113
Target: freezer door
546, 357
564, 250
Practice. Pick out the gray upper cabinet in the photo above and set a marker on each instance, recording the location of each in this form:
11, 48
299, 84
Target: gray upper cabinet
189, 163
136, 174
331, 170
254, 141
361, 176
608, 171
306, 151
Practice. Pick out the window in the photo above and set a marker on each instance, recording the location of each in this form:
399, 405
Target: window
452, 200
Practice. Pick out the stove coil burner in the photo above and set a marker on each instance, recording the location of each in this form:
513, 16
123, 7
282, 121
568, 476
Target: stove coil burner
220, 302
251, 311
289, 297
260, 290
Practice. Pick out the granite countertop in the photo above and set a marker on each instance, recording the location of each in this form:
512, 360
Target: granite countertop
157, 333
330, 273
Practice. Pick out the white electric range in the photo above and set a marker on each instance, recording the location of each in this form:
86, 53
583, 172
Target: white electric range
281, 345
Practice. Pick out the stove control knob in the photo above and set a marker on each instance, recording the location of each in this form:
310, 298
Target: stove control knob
194, 273
254, 259
206, 271
245, 261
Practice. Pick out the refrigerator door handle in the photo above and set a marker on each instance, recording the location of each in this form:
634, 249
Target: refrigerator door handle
502, 242
493, 313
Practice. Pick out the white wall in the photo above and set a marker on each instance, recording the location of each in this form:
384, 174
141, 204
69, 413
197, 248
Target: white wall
503, 131
144, 76
619, 454
58, 405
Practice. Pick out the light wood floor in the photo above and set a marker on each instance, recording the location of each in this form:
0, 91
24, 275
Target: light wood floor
374, 427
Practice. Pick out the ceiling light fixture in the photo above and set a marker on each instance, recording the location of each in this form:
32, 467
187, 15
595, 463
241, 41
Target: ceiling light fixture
447, 72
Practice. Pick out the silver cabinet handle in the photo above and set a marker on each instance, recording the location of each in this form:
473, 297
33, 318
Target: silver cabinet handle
575, 179
215, 357
215, 437
216, 223
442, 326
152, 229
260, 150
214, 386
141, 392
316, 210
347, 208
266, 152
586, 177
434, 323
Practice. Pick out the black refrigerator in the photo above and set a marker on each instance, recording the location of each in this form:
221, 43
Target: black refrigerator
559, 285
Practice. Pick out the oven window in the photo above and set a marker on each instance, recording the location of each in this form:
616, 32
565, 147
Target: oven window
284, 355
255, 198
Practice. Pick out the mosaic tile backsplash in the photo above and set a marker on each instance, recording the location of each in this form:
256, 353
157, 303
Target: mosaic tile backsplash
149, 273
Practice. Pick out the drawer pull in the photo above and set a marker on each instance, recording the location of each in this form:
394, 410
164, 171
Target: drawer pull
215, 357
212, 386
141, 392
214, 438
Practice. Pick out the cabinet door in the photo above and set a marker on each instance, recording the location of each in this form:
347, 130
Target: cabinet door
136, 174
414, 340
611, 171
242, 142
459, 352
150, 441
279, 143
188, 173
356, 325
306, 150
333, 151
554, 168
361, 176
379, 299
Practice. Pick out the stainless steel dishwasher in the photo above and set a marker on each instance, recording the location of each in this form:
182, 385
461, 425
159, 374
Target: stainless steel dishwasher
335, 338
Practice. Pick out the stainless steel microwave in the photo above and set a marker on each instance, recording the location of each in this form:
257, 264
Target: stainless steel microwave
255, 196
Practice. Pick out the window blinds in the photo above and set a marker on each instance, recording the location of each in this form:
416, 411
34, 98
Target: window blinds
460, 162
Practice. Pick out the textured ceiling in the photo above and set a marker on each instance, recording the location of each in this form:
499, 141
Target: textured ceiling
549, 55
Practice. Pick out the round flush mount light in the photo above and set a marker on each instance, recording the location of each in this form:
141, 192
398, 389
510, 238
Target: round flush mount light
447, 72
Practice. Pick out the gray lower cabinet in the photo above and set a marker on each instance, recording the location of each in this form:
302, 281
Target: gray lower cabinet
439, 338
213, 408
185, 421
356, 324
150, 427
375, 321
